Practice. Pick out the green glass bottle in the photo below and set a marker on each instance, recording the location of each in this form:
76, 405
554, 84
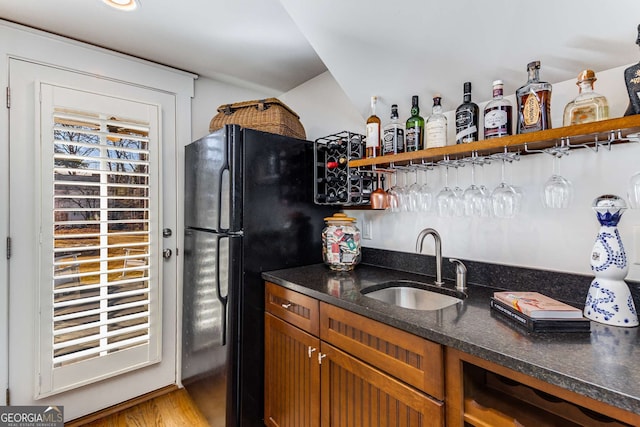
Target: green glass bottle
414, 134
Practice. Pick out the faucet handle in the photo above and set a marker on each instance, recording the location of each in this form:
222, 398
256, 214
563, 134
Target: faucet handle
461, 275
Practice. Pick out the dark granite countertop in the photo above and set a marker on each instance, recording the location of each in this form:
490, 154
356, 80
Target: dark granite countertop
603, 364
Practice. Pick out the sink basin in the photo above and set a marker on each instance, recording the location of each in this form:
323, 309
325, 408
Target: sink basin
413, 295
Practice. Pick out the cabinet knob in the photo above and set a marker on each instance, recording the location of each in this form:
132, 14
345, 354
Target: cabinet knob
320, 357
311, 350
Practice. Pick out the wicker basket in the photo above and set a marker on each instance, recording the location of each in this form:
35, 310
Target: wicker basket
269, 115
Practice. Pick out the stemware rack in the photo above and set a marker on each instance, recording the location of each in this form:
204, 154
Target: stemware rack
594, 136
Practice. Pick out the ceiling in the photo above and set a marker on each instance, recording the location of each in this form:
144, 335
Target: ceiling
392, 49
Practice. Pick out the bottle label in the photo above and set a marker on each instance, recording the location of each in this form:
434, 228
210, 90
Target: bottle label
495, 119
496, 122
412, 138
373, 135
464, 135
584, 115
393, 140
531, 110
466, 129
436, 135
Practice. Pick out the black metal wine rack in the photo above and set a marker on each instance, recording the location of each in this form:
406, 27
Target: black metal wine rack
336, 182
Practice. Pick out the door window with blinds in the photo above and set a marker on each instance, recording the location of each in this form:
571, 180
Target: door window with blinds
99, 298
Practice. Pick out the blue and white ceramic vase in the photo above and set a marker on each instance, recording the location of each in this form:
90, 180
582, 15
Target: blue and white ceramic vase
609, 300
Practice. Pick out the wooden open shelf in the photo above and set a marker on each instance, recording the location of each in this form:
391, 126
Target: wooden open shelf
613, 130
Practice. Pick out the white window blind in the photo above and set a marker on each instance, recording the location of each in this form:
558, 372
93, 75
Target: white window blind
103, 296
101, 236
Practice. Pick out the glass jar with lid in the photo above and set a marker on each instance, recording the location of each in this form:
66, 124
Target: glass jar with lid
341, 243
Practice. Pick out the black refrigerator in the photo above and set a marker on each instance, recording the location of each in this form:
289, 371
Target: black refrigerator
248, 209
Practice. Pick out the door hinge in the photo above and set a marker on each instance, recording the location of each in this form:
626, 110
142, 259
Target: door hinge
8, 97
8, 398
8, 247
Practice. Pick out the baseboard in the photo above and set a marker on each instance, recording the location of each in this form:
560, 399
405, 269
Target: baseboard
120, 406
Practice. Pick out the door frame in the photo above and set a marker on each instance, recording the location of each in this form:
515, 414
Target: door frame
18, 41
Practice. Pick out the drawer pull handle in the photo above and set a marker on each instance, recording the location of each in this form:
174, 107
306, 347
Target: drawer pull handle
320, 357
311, 350
286, 306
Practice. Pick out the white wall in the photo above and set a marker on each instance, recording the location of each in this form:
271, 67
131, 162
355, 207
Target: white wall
209, 95
559, 240
323, 107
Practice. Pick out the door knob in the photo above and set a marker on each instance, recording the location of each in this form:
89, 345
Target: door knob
166, 254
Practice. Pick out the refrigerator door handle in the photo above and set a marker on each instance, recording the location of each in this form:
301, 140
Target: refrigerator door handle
221, 193
223, 299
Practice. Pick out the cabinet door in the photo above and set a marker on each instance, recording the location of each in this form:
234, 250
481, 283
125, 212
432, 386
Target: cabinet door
356, 394
412, 359
291, 376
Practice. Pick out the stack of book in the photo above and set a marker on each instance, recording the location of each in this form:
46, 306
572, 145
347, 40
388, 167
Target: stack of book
538, 313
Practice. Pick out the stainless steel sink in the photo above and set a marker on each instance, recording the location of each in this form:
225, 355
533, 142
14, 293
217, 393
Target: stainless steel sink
413, 295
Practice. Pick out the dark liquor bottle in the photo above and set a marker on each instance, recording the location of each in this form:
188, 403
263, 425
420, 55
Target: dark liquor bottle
497, 114
467, 118
414, 134
393, 135
534, 102
373, 131
632, 80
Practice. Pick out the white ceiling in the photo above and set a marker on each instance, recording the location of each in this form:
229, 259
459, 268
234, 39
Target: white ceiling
393, 49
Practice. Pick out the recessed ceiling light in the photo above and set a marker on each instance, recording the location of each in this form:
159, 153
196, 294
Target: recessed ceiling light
123, 4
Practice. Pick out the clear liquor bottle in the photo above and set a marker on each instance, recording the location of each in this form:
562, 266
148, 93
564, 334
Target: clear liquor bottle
414, 134
393, 134
467, 118
498, 114
436, 133
534, 102
373, 131
588, 106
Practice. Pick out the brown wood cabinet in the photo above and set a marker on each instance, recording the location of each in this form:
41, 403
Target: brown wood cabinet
326, 366
304, 373
484, 394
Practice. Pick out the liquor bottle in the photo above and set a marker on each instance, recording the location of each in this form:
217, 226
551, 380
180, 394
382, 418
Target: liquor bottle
632, 81
588, 106
534, 102
436, 125
467, 118
373, 131
498, 114
414, 134
393, 135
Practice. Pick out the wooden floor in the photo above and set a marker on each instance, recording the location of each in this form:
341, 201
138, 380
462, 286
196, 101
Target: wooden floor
208, 394
173, 409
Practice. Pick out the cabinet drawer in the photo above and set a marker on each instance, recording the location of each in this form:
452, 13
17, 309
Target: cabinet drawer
412, 359
293, 307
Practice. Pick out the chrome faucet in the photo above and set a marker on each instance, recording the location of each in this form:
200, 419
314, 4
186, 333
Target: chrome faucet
436, 237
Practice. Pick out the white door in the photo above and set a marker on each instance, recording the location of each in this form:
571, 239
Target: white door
92, 309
